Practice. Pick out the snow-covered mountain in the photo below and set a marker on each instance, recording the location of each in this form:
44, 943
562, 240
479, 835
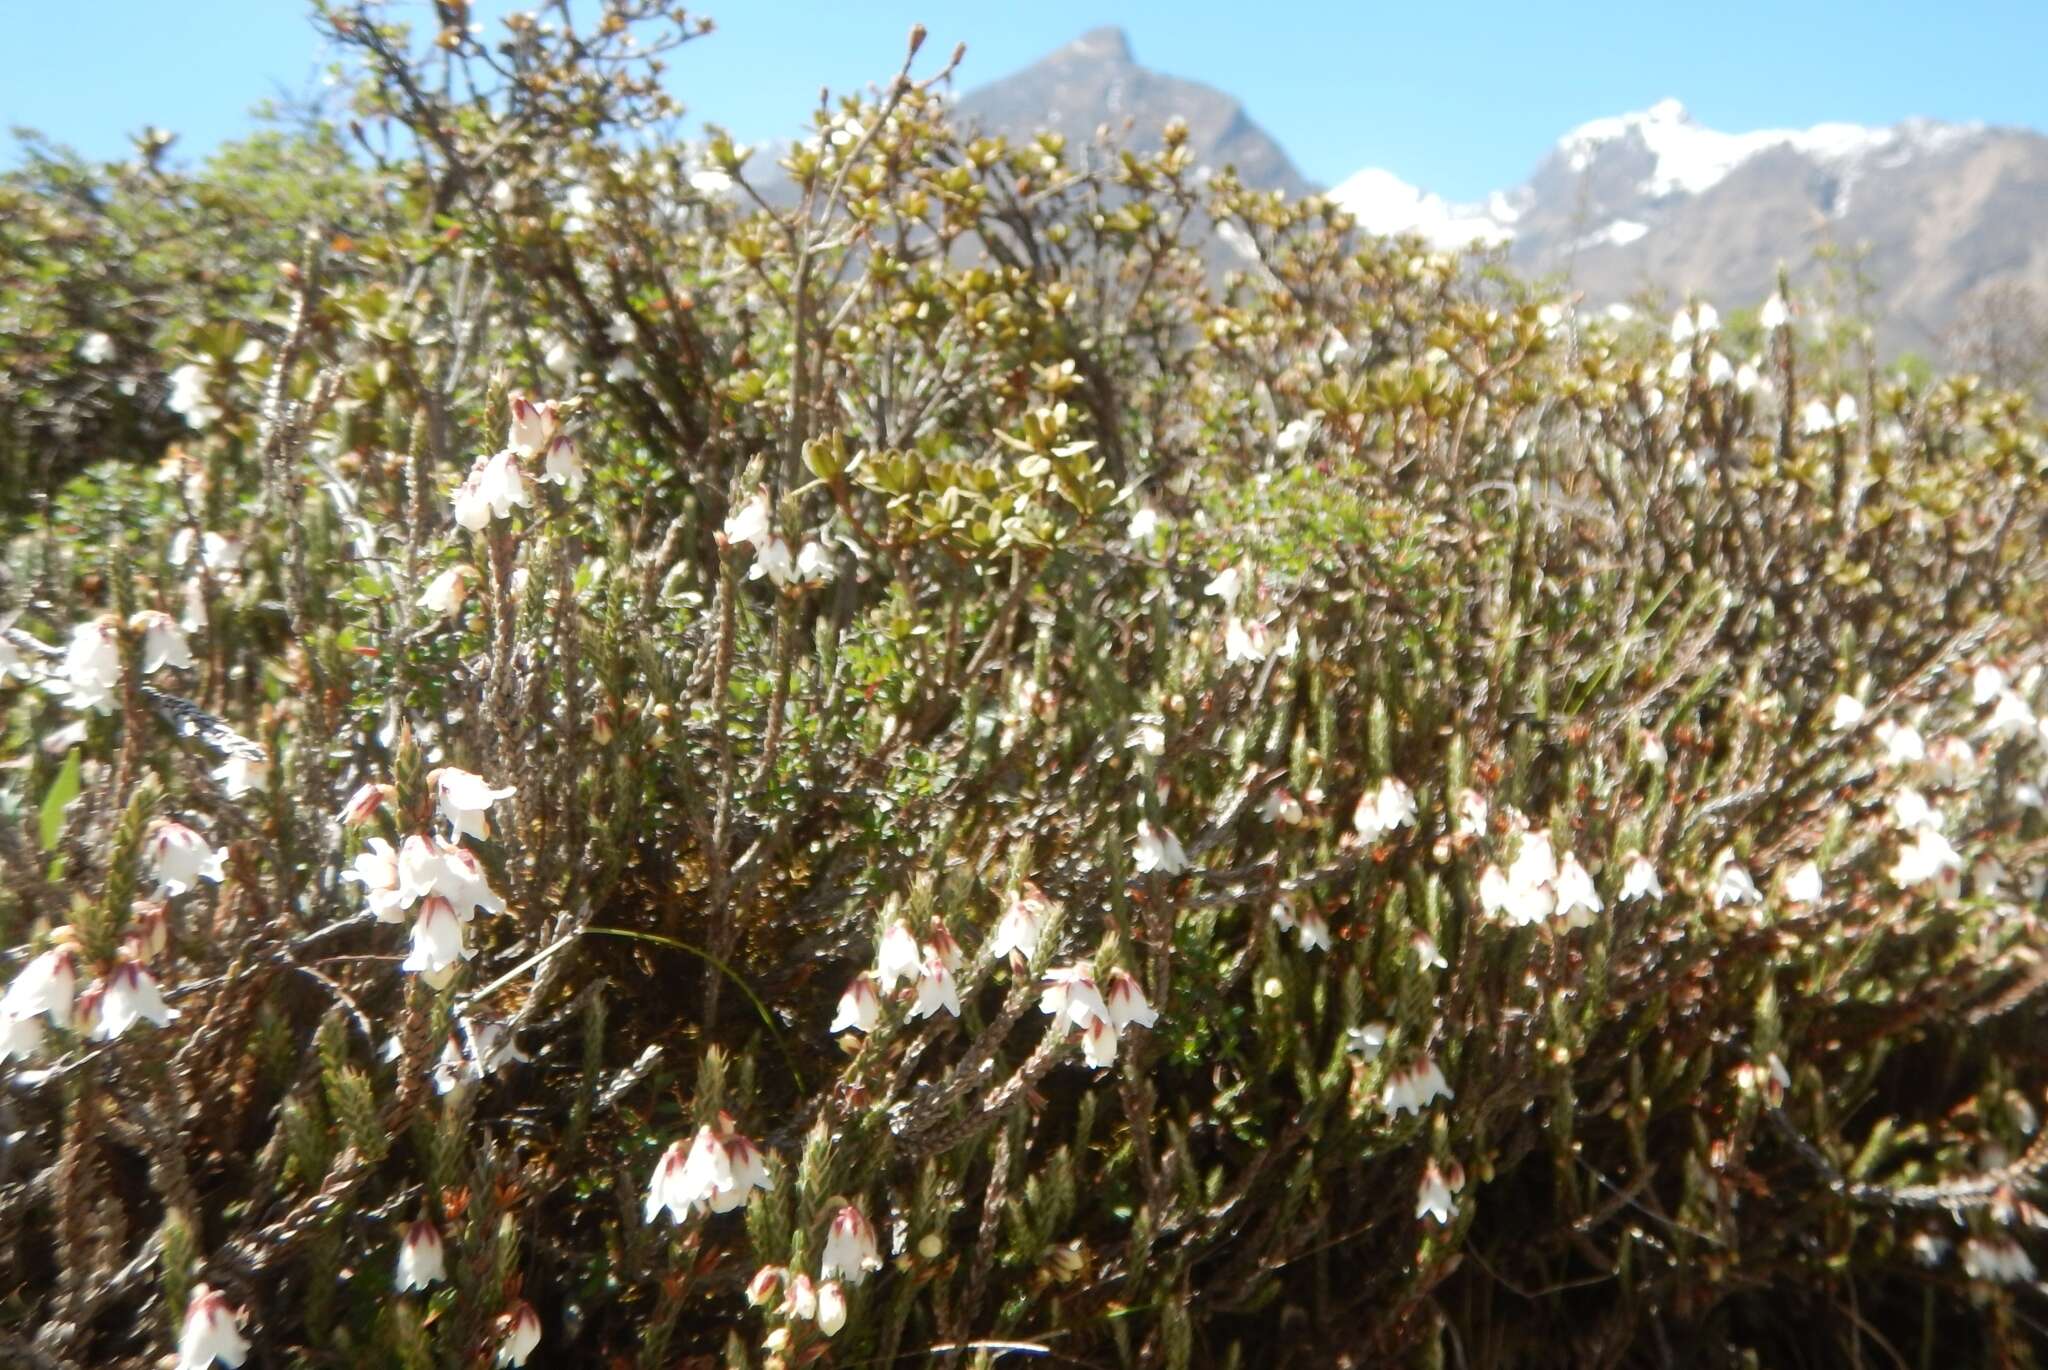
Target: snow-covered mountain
1653, 200
1656, 199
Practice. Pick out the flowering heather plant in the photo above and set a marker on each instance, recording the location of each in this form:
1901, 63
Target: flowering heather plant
625, 757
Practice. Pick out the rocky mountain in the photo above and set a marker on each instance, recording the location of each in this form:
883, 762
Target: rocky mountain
1949, 214
1095, 82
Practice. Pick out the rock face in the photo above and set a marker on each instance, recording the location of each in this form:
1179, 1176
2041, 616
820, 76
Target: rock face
1095, 81
1943, 213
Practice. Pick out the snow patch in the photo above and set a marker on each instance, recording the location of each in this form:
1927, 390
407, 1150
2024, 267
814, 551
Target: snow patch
1690, 158
1620, 233
1384, 203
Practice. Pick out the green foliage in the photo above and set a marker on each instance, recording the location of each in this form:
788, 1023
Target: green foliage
1102, 510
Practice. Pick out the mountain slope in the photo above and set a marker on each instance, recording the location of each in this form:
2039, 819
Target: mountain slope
1096, 81
1656, 199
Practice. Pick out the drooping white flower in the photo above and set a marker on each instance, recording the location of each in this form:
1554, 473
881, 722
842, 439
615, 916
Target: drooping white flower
1998, 1259
1157, 849
749, 523
860, 1006
1817, 417
1225, 584
1473, 812
129, 995
1147, 736
465, 800
1437, 1195
422, 1259
1927, 857
480, 1049
1987, 683
212, 1331
1125, 1000
563, 465
1314, 930
459, 877
1951, 762
182, 858
2011, 717
437, 939
1427, 954
1639, 879
1911, 810
814, 565
46, 985
1018, 931
1296, 435
191, 396
163, 642
96, 349
773, 560
20, 1036
1144, 523
851, 1251
1380, 810
1732, 883
1803, 885
90, 672
1577, 900
831, 1307
1902, 743
522, 1333
1367, 1039
217, 551
1281, 807
494, 487
445, 592
1413, 1089
1071, 996
1098, 1044
240, 774
622, 370
421, 868
898, 959
1774, 315
504, 195
1848, 712
534, 425
935, 988
1845, 410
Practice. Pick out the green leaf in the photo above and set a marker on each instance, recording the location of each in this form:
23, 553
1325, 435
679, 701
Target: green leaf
62, 791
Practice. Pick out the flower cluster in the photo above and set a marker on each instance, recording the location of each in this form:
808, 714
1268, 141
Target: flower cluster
499, 483
752, 525
439, 874
715, 1173
851, 1255
1073, 999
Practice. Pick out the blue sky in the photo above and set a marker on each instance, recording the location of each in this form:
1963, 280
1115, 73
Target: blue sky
1458, 98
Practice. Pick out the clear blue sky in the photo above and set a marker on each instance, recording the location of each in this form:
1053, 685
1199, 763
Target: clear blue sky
1459, 98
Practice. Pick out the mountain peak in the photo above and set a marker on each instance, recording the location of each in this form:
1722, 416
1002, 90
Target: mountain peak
1106, 44
1094, 82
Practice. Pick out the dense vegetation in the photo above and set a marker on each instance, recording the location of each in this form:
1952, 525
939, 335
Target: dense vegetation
568, 684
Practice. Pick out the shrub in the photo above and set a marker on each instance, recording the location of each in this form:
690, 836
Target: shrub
1572, 801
